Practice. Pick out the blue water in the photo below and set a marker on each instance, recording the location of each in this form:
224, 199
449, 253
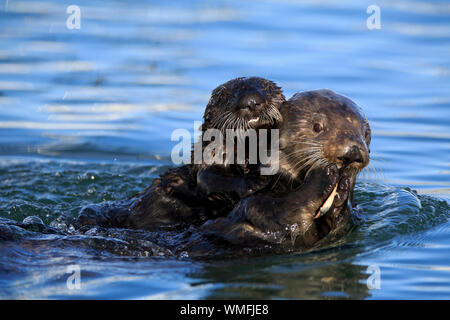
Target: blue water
86, 116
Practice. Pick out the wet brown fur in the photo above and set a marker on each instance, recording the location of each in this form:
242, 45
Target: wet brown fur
193, 193
311, 164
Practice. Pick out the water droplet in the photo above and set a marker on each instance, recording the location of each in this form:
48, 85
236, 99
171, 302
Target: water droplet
184, 255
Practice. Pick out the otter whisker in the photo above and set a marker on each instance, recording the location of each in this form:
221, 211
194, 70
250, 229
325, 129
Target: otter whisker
273, 114
227, 120
306, 142
307, 150
219, 123
318, 164
302, 155
228, 123
301, 161
363, 173
301, 165
378, 174
312, 162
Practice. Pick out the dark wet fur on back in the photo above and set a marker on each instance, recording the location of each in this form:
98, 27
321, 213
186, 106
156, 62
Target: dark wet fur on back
192, 194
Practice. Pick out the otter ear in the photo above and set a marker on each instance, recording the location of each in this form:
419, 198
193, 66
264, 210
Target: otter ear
368, 133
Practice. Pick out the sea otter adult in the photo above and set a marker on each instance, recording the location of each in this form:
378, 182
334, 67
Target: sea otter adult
193, 193
324, 144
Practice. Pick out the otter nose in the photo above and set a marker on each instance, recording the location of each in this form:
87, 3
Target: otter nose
353, 154
252, 101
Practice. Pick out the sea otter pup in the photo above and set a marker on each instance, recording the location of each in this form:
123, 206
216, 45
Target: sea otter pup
324, 144
240, 104
193, 193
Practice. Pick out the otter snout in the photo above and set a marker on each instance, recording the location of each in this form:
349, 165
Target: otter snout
252, 101
353, 154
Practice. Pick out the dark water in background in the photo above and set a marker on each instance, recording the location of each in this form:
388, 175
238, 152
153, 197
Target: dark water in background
86, 115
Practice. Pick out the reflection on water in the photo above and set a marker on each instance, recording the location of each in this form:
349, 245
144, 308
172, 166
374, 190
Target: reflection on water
86, 116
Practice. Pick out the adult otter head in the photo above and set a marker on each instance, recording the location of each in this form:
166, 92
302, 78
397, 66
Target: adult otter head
244, 103
323, 130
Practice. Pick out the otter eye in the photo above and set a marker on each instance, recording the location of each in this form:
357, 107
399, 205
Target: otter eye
318, 127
